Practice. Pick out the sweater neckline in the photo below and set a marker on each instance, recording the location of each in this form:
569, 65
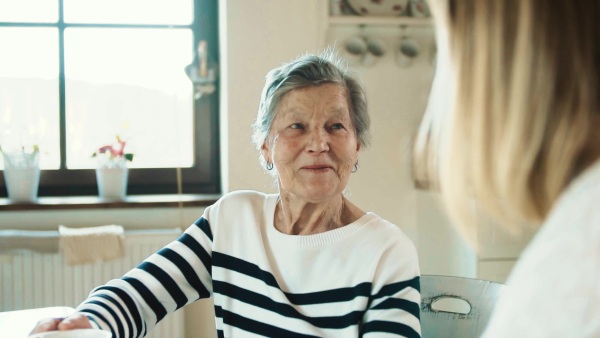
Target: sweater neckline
585, 180
315, 240
579, 186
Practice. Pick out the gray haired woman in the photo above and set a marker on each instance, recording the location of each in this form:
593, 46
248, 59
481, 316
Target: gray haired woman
305, 262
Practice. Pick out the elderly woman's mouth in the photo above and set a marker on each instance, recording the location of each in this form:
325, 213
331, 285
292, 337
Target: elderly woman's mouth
317, 167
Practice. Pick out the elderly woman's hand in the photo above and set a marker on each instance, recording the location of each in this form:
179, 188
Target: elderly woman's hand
74, 321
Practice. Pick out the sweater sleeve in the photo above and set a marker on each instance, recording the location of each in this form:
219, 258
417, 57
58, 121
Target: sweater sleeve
176, 275
394, 309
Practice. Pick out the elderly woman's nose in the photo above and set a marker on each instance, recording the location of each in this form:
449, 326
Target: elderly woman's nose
318, 140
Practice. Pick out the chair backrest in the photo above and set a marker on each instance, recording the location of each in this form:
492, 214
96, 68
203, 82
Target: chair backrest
456, 307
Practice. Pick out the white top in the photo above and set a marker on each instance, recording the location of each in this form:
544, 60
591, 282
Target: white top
554, 289
358, 280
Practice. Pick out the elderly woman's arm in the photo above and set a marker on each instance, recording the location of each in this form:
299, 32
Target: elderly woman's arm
395, 300
395, 311
169, 279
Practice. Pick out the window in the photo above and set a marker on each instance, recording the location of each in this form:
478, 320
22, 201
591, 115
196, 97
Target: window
76, 73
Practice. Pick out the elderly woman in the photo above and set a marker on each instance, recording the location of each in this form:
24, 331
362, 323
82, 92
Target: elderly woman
305, 262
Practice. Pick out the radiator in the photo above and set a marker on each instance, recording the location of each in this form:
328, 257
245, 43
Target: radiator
33, 280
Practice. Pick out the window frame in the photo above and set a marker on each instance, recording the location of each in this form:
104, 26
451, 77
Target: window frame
203, 178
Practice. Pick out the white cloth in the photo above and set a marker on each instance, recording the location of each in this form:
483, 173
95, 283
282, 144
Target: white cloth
28, 240
554, 289
91, 244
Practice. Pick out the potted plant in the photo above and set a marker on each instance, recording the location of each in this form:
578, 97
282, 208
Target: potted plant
111, 170
22, 172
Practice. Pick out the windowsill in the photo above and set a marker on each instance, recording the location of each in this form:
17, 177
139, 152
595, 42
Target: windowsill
94, 202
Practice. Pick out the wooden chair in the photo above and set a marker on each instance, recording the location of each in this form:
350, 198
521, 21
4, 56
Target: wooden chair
456, 307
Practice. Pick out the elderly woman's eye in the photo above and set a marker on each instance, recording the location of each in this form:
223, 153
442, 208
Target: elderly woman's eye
297, 126
337, 126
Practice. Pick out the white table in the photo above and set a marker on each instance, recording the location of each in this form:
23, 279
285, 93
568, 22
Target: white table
18, 324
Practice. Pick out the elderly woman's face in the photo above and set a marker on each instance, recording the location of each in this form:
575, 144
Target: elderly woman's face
313, 144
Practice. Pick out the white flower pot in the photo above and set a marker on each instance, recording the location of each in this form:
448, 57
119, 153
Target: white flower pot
112, 182
21, 175
22, 183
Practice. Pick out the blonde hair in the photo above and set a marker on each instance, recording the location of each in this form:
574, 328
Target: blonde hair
525, 74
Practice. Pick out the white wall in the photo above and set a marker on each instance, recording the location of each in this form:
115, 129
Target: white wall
258, 35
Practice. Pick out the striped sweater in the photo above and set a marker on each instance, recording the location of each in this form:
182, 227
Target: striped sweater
360, 280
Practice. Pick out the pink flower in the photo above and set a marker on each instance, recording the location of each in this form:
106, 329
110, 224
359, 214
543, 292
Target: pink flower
114, 151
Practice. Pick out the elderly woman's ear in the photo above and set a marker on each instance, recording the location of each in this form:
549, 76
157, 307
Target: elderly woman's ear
266, 155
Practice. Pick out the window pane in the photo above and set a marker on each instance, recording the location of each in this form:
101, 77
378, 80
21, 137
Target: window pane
129, 82
29, 91
169, 12
29, 10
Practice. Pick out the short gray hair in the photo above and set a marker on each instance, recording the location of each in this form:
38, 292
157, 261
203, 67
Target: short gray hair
310, 70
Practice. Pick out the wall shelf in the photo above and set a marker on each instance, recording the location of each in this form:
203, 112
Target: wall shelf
378, 21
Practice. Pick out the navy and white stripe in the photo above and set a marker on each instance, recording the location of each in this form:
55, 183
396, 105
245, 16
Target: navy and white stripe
359, 281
